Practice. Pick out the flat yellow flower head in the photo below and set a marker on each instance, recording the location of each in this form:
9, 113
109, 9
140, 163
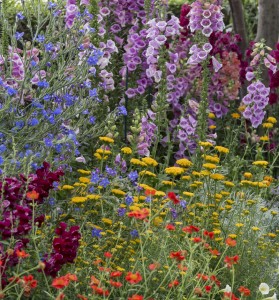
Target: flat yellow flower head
272, 120
150, 161
261, 163
222, 149
184, 162
126, 150
175, 171
106, 139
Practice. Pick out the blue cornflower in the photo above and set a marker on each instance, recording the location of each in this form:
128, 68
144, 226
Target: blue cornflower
48, 142
129, 200
133, 175
148, 199
95, 178
51, 119
104, 182
1, 160
43, 84
3, 148
122, 110
87, 84
93, 60
58, 111
40, 38
51, 5
51, 201
93, 93
20, 15
69, 99
134, 233
19, 124
49, 47
85, 112
19, 35
58, 148
47, 97
121, 212
111, 171
183, 203
11, 91
1, 81
33, 63
91, 189
92, 120
33, 122
96, 232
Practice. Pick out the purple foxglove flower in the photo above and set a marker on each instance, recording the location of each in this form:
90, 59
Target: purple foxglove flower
216, 65
250, 76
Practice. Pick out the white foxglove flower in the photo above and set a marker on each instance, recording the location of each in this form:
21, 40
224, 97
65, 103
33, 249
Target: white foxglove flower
271, 298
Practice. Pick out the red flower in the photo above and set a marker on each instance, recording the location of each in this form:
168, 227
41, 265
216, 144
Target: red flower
21, 254
116, 284
108, 254
214, 252
178, 255
81, 297
30, 281
208, 288
170, 227
136, 297
203, 277
150, 192
99, 290
173, 198
153, 266
230, 296
33, 195
214, 279
61, 296
115, 274
231, 260
60, 282
174, 283
133, 278
190, 229
244, 290
210, 234
71, 277
231, 242
139, 214
197, 239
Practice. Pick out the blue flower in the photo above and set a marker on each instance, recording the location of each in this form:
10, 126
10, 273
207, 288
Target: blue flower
49, 47
51, 5
3, 148
47, 97
104, 182
11, 91
93, 93
92, 60
40, 38
19, 35
95, 178
33, 122
134, 233
121, 212
122, 111
183, 203
1, 160
133, 175
129, 200
96, 232
19, 124
92, 120
1, 81
58, 111
110, 171
43, 84
20, 15
48, 142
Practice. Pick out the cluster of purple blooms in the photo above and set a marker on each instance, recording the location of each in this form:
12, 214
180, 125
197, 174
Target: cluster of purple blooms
256, 100
206, 17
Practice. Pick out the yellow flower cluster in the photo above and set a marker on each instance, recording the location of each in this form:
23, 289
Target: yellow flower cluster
126, 150
106, 139
150, 161
184, 162
175, 171
261, 163
222, 149
148, 173
137, 162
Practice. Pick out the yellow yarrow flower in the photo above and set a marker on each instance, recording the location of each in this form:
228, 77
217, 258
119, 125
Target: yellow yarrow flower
188, 194
160, 193
235, 115
78, 199
126, 150
118, 192
148, 173
205, 144
137, 162
146, 187
261, 163
272, 120
264, 138
150, 161
67, 187
211, 115
107, 221
80, 184
232, 236
212, 127
84, 172
272, 235
212, 159
93, 197
268, 125
167, 182
106, 139
184, 162
222, 149
186, 177
209, 166
239, 224
175, 171
217, 176
84, 179
229, 183
248, 175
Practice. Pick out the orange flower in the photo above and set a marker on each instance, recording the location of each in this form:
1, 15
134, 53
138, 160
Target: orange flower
33, 195
60, 297
136, 297
60, 282
214, 252
153, 266
197, 239
94, 280
133, 278
21, 254
231, 242
150, 192
139, 214
244, 290
233, 260
71, 277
